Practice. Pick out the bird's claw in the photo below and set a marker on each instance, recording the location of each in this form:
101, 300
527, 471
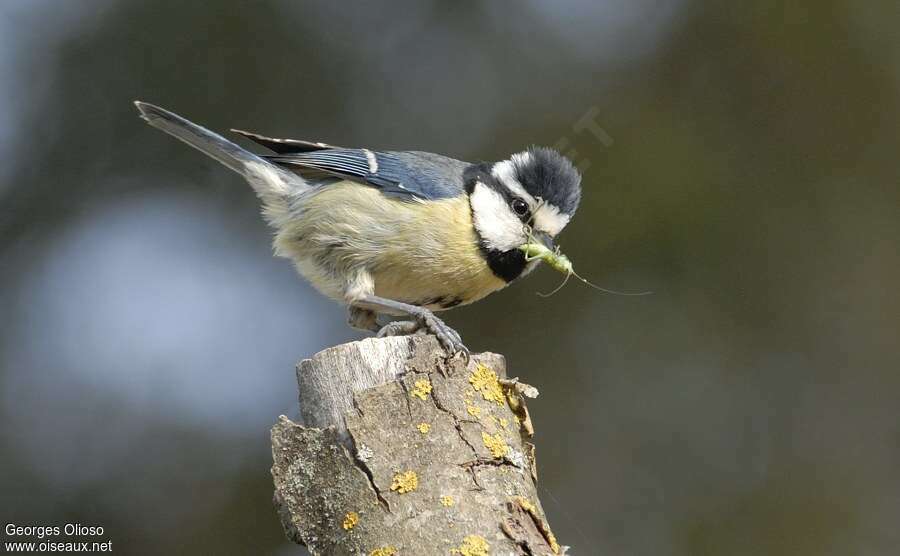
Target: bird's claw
399, 328
449, 339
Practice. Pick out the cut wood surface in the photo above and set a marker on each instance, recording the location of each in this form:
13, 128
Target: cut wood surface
403, 451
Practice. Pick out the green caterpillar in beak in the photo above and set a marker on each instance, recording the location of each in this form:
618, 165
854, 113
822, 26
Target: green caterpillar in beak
560, 263
555, 259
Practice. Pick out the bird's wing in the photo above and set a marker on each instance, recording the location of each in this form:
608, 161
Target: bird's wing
284, 146
405, 174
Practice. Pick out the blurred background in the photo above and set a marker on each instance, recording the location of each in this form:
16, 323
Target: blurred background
739, 160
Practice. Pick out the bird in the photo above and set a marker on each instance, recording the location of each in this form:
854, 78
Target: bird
397, 233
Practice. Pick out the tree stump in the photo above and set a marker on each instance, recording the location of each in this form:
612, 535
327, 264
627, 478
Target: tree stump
403, 451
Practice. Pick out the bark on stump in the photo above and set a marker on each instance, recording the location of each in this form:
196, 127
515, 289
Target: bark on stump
402, 451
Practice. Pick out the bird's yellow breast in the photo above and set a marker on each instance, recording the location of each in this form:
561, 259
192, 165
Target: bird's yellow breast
420, 252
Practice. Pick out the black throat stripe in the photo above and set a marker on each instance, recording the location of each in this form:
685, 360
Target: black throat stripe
506, 265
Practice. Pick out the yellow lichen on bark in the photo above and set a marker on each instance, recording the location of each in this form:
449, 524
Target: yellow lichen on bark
422, 388
529, 507
495, 445
501, 421
551, 538
485, 381
447, 501
350, 520
424, 428
473, 545
384, 551
526, 504
405, 482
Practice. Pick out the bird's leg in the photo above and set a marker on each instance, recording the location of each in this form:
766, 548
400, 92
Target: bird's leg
424, 318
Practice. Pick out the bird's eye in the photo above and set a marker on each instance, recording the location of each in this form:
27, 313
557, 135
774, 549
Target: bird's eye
519, 207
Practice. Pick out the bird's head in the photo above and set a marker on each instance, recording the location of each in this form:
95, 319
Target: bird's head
530, 196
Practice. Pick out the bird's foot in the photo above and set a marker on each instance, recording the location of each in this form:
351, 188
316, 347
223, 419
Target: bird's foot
423, 318
426, 321
448, 337
399, 328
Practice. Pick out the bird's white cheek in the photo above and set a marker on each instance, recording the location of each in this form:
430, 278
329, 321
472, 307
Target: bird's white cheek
498, 227
550, 220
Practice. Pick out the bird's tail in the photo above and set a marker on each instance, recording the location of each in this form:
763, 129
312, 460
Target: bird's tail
272, 184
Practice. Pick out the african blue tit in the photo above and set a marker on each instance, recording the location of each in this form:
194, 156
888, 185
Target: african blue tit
399, 233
